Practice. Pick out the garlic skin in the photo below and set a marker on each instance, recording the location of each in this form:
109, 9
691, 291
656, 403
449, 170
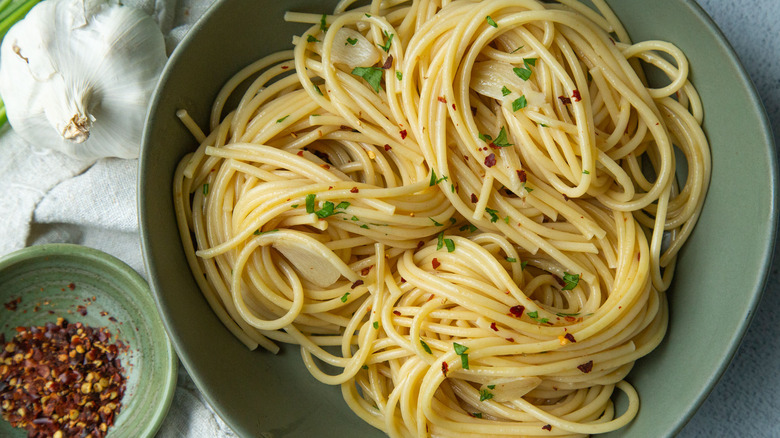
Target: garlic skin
77, 75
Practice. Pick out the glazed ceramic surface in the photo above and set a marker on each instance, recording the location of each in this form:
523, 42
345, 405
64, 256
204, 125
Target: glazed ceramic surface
720, 274
85, 285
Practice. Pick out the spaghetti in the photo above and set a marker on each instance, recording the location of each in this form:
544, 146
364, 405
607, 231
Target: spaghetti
469, 209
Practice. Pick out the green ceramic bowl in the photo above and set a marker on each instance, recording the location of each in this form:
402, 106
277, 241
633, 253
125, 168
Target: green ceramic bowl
85, 285
720, 274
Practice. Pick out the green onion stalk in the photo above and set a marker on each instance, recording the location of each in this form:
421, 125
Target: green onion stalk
11, 11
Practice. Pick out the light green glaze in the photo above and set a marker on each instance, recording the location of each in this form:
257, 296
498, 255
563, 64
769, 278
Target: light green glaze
719, 279
41, 276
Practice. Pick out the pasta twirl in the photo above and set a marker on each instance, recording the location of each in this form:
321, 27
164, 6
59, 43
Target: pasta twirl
470, 210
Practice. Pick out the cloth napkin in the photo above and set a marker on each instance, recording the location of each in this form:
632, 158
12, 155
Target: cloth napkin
48, 197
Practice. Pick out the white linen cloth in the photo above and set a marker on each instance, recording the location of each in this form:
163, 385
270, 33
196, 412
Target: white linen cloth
48, 197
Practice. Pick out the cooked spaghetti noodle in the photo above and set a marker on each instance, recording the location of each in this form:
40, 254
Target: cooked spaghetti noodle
469, 209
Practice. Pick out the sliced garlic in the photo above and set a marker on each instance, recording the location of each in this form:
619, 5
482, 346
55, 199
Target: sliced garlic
360, 54
490, 77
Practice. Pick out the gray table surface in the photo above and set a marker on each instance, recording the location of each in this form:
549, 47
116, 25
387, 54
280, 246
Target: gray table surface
746, 401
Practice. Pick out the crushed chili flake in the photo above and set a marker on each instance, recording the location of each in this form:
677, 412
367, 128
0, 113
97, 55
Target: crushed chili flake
13, 304
586, 367
353, 190
299, 153
517, 311
403, 134
356, 284
454, 108
576, 95
474, 198
493, 326
565, 100
71, 286
387, 147
285, 67
510, 339
397, 312
490, 160
61, 379
435, 263
442, 99
82, 310
569, 337
366, 270
444, 368
388, 62
547, 427
522, 176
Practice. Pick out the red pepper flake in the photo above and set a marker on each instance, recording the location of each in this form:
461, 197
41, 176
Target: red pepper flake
510, 339
454, 108
442, 99
300, 153
547, 427
353, 190
565, 100
82, 310
403, 280
13, 304
474, 198
522, 176
517, 311
432, 296
356, 284
435, 263
569, 337
326, 167
420, 244
586, 367
638, 256
396, 313
576, 95
403, 134
285, 67
71, 286
365, 271
490, 160
388, 62
493, 326
71, 382
569, 318
565, 198
387, 147
444, 368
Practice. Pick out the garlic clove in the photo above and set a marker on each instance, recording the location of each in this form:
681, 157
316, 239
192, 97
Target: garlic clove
352, 49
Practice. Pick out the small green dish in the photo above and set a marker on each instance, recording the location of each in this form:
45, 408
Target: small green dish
38, 284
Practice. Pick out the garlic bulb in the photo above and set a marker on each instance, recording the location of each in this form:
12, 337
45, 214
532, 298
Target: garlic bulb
77, 76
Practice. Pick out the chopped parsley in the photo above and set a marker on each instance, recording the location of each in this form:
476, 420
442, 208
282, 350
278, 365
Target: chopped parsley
364, 226
513, 51
522, 73
571, 280
435, 180
258, 232
425, 347
323, 22
523, 265
317, 89
365, 367
206, 188
342, 205
311, 39
372, 75
310, 198
460, 350
501, 140
449, 244
567, 314
505, 91
375, 325
529, 62
470, 227
493, 214
345, 297
511, 259
585, 172
486, 138
399, 75
535, 316
388, 43
435, 223
491, 22
282, 119
294, 206
519, 103
351, 41
354, 218
477, 414
484, 394
328, 207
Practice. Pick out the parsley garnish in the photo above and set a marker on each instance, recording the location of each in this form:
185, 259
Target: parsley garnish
513, 51
310, 202
491, 22
522, 73
585, 172
294, 206
206, 188
571, 280
326, 210
376, 325
317, 89
505, 91
567, 314
399, 75
323, 23
425, 347
511, 259
345, 297
372, 75
388, 43
355, 218
282, 119
258, 232
477, 414
523, 265
450, 244
535, 316
342, 205
470, 227
435, 180
493, 214
364, 226
501, 140
484, 394
435, 223
529, 62
460, 350
351, 41
311, 39
519, 103
365, 367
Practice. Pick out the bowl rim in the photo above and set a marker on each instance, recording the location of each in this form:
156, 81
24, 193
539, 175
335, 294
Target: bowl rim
762, 272
140, 289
